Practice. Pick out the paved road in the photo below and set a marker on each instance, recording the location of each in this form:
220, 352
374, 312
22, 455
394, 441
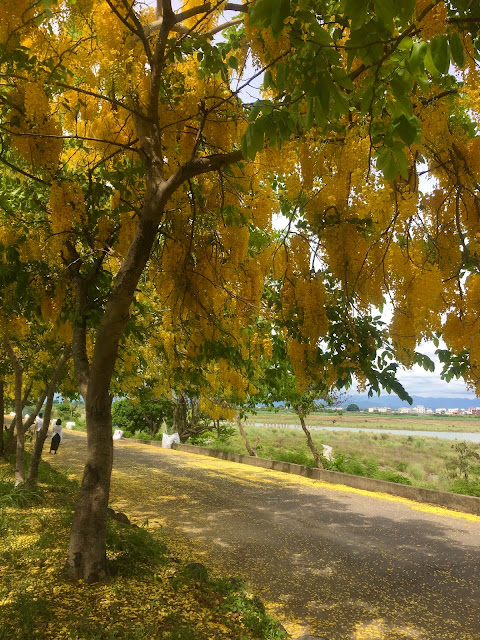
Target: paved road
339, 563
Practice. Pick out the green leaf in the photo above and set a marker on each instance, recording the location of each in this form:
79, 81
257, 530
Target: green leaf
429, 64
281, 78
386, 162
404, 10
341, 102
457, 51
401, 91
392, 161
406, 128
440, 53
366, 100
261, 12
309, 116
319, 113
385, 12
268, 79
416, 58
281, 10
357, 11
233, 62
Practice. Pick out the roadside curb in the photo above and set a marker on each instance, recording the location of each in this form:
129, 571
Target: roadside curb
447, 500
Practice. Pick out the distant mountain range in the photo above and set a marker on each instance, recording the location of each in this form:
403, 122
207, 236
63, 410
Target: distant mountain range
392, 401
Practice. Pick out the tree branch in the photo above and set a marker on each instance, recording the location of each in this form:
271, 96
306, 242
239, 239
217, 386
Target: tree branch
133, 28
223, 26
75, 137
189, 13
232, 6
22, 172
197, 166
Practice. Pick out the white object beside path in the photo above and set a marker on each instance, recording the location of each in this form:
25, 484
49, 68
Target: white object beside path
168, 440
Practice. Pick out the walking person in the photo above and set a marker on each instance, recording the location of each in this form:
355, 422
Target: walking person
56, 436
38, 424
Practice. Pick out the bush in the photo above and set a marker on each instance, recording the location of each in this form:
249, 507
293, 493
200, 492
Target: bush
415, 470
391, 476
146, 416
466, 488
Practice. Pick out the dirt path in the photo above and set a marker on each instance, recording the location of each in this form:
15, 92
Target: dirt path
340, 563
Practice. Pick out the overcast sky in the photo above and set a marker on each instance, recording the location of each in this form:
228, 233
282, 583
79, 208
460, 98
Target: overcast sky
424, 383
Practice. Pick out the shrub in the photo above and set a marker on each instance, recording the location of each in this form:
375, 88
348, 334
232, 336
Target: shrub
416, 470
391, 476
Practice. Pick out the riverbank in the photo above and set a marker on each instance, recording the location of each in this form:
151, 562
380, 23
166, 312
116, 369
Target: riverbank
372, 421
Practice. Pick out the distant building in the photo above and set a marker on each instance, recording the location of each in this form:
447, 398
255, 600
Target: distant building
404, 410
440, 410
419, 408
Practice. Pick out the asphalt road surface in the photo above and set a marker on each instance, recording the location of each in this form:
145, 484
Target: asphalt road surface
334, 562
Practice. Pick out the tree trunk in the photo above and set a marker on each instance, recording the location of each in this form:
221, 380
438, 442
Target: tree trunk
87, 557
180, 424
41, 436
20, 448
316, 455
10, 440
19, 402
32, 476
2, 413
250, 449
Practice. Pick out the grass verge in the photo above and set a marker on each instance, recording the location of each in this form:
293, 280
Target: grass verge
151, 593
419, 461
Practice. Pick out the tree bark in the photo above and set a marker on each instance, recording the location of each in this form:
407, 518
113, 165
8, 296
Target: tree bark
316, 455
20, 446
32, 476
2, 414
250, 449
10, 440
87, 557
180, 424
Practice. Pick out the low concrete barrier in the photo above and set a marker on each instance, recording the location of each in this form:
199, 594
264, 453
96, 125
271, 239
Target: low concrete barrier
455, 501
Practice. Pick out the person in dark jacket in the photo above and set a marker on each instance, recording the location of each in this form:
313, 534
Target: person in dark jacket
56, 436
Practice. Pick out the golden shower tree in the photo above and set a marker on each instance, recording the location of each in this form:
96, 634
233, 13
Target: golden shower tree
159, 143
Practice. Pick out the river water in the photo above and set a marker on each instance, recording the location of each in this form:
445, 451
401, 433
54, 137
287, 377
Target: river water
445, 435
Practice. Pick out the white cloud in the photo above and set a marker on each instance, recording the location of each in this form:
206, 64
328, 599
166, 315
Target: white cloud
419, 382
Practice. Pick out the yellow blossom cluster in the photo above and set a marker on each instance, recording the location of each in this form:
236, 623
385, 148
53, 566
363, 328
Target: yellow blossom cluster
434, 21
13, 14
67, 206
35, 130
